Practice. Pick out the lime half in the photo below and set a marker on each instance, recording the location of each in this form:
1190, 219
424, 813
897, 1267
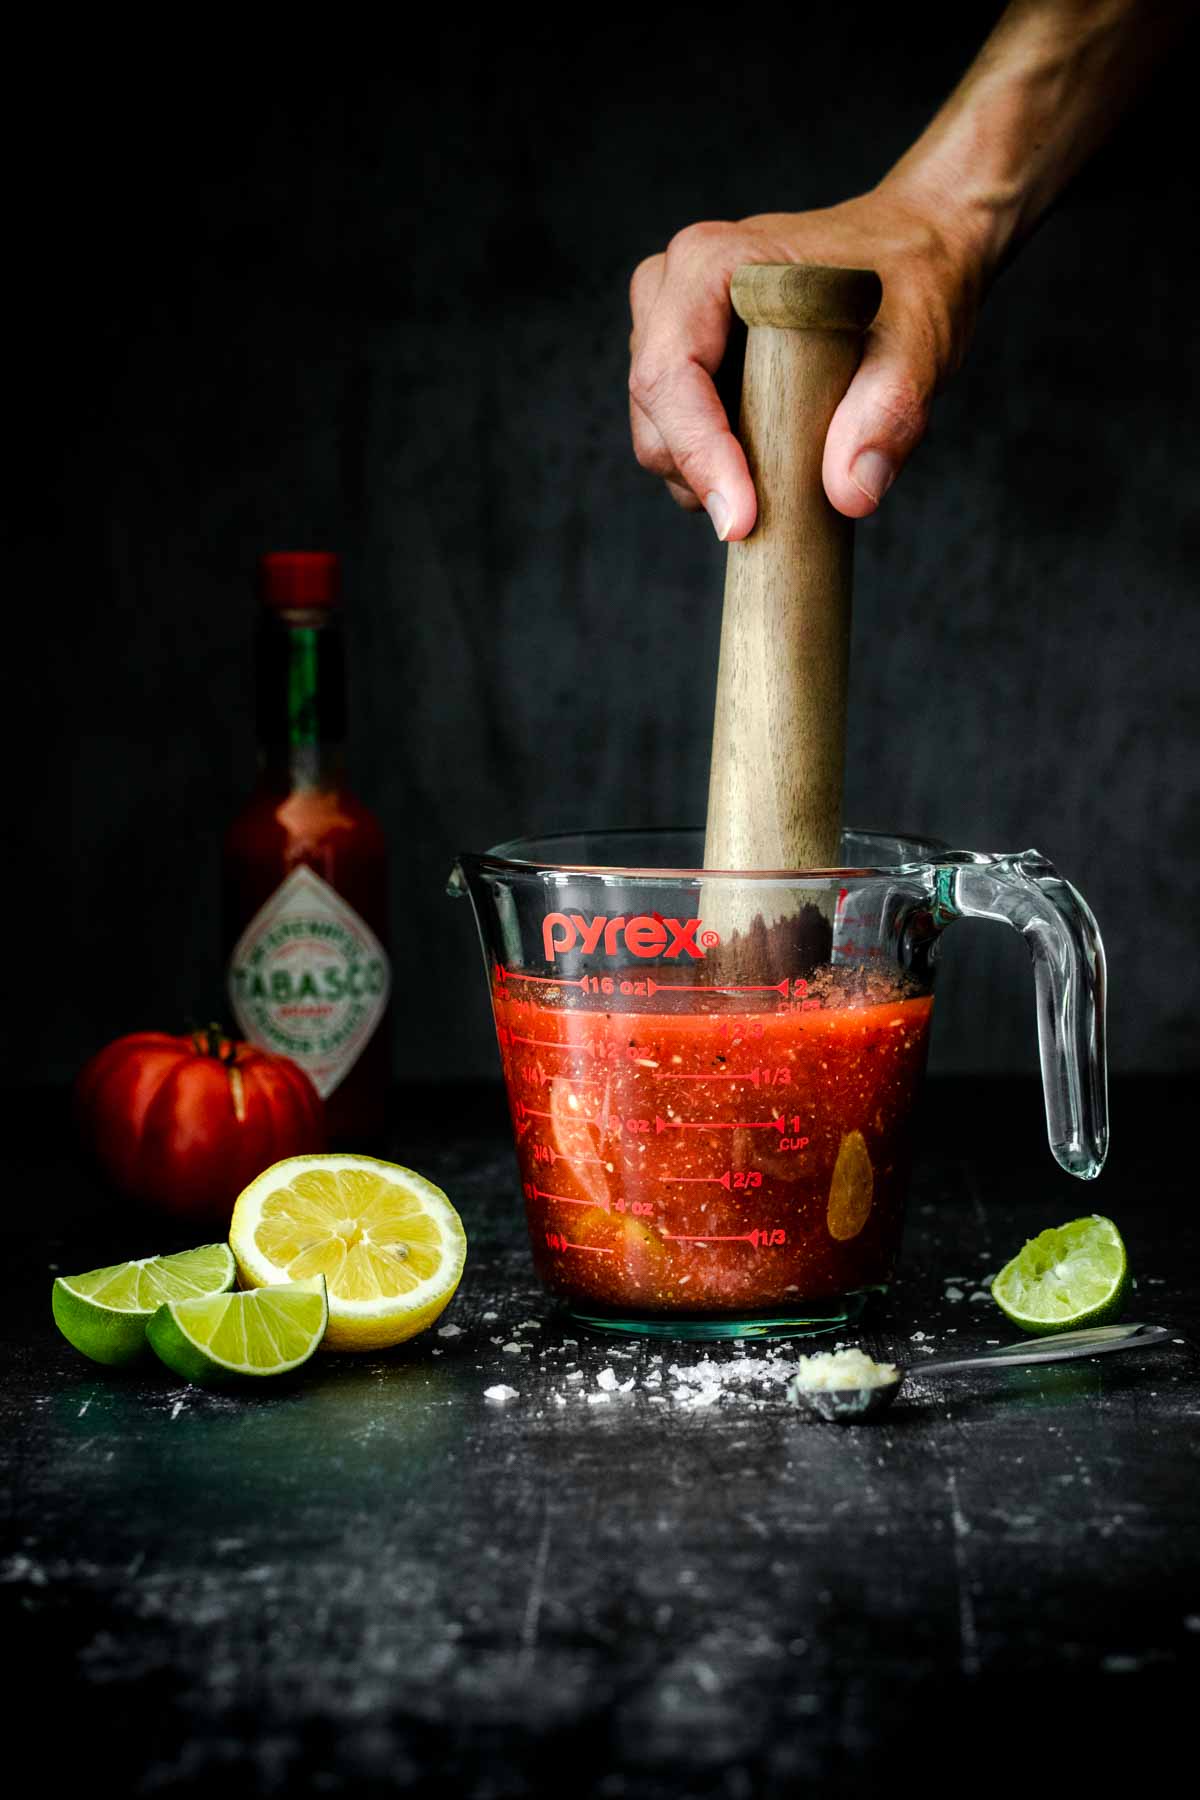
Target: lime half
226, 1337
1070, 1276
105, 1312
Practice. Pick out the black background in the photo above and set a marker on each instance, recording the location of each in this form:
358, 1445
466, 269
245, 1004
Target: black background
372, 297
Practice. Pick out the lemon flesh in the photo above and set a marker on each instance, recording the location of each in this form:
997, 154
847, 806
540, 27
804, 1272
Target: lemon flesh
389, 1244
227, 1337
1070, 1276
104, 1312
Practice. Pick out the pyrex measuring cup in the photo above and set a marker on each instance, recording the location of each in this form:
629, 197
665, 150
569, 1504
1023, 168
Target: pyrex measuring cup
713, 1132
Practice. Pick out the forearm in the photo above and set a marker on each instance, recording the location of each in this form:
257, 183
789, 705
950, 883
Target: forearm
1045, 90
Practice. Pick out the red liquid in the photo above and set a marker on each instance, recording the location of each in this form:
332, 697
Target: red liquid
712, 1162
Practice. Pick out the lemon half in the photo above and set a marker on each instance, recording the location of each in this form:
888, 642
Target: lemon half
389, 1244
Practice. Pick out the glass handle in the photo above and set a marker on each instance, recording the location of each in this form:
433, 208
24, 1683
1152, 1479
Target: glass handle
1028, 893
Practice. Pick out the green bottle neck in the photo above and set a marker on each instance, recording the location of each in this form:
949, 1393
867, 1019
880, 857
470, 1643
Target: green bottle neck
301, 699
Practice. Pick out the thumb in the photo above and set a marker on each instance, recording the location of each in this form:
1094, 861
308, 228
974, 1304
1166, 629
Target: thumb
880, 422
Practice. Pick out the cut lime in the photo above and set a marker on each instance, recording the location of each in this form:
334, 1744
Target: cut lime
1069, 1276
224, 1337
105, 1312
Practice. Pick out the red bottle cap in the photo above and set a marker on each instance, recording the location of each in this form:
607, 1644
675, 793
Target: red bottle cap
300, 578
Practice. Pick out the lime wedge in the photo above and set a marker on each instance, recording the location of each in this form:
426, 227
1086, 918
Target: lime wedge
225, 1337
104, 1312
1069, 1276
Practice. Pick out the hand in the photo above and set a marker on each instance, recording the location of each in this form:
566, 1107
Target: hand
932, 285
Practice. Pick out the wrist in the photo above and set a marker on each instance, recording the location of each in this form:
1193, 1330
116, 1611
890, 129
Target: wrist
975, 218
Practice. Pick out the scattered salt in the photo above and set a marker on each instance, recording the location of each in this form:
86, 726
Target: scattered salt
501, 1393
606, 1380
512, 1349
490, 1318
708, 1381
450, 1331
954, 1293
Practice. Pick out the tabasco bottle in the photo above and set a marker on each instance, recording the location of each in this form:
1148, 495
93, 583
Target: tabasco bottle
305, 868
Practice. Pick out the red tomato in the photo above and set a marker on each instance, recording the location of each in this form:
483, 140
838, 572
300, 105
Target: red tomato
184, 1123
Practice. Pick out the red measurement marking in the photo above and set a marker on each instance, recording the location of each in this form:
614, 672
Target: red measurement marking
533, 1192
555, 1241
547, 1153
532, 1112
758, 1077
759, 1239
779, 1125
753, 1076
550, 980
541, 1077
732, 1178
774, 987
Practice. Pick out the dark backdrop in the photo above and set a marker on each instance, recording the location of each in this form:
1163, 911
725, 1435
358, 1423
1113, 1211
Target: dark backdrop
378, 304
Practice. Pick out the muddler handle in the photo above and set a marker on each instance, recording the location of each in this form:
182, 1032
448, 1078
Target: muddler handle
775, 787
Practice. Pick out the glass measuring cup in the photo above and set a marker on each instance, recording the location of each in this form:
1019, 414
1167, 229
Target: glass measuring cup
711, 1075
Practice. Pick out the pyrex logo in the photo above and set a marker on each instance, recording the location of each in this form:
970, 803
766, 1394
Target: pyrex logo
647, 934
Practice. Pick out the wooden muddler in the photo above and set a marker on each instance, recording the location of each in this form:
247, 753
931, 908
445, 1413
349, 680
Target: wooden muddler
775, 787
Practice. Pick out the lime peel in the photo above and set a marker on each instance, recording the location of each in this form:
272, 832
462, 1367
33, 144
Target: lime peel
104, 1312
222, 1338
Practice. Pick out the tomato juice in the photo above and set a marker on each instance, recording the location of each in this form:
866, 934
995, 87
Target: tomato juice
684, 1152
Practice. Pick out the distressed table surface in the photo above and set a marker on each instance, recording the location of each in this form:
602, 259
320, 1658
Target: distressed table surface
380, 1580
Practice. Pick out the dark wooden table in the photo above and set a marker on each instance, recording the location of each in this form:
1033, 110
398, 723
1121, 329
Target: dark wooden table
381, 1581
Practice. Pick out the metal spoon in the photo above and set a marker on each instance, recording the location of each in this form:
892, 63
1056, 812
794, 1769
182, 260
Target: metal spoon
851, 1406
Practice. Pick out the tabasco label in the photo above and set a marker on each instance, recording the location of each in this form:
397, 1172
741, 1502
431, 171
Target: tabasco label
309, 979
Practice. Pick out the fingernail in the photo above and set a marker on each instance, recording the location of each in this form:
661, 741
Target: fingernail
873, 474
717, 508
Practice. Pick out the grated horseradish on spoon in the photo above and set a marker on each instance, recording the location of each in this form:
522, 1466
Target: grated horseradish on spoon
831, 1370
